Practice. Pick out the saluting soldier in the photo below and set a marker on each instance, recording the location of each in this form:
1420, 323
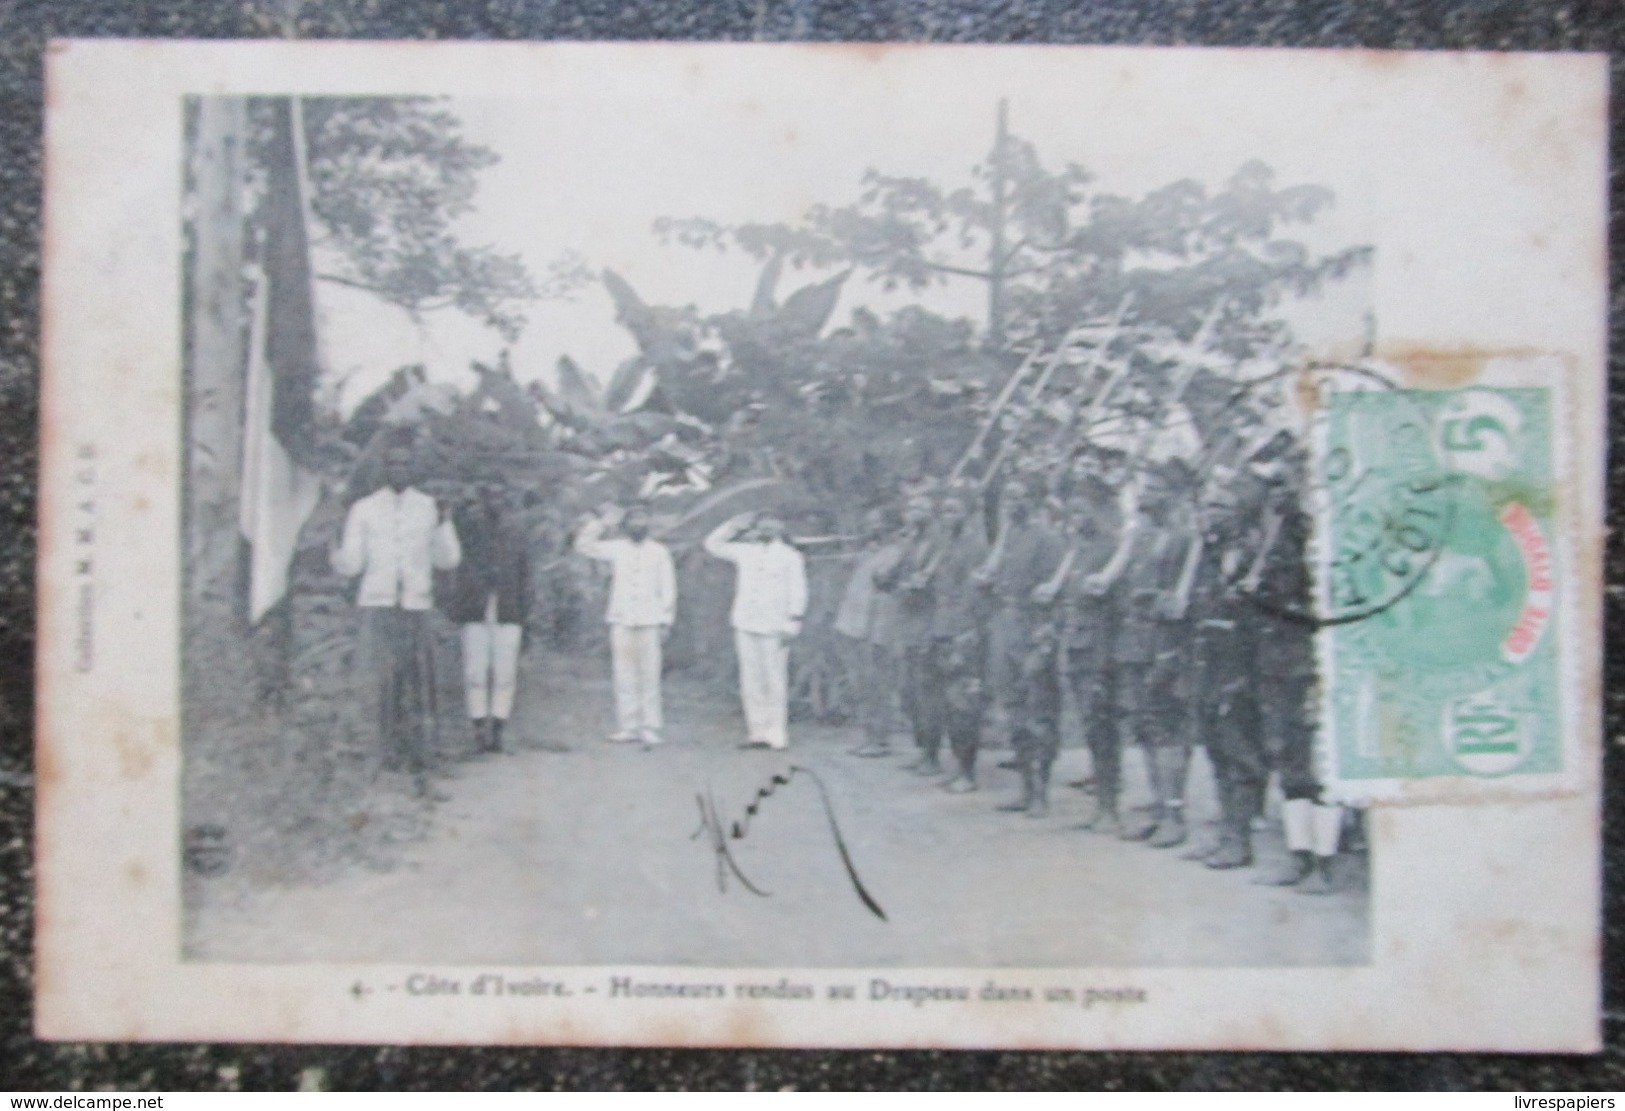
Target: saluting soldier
770, 599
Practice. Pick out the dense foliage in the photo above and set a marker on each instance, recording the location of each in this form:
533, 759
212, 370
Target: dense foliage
389, 176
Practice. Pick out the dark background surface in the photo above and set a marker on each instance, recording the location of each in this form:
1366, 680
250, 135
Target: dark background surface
25, 27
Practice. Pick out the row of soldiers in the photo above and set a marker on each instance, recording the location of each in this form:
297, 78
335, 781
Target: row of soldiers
1170, 606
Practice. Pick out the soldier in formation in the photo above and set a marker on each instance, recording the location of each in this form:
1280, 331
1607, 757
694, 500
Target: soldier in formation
1162, 605
1167, 605
1285, 668
1022, 678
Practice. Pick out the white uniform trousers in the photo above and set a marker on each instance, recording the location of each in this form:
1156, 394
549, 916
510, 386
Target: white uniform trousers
490, 668
635, 664
764, 686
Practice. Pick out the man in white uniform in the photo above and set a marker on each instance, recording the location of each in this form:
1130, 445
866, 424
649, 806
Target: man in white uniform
770, 596
642, 605
396, 538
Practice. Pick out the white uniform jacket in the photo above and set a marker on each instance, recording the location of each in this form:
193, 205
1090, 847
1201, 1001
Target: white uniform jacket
643, 582
395, 542
770, 595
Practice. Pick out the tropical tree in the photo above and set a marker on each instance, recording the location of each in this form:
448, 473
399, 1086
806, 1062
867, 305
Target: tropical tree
908, 232
389, 178
1051, 253
1183, 256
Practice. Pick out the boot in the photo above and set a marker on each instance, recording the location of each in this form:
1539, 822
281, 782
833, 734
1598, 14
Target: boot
1235, 848
1201, 850
1028, 792
1207, 847
1142, 828
1206, 842
917, 763
929, 764
1040, 806
1170, 831
1319, 879
481, 738
1104, 820
1354, 834
1138, 828
964, 753
964, 782
1326, 826
1297, 823
496, 734
1297, 870
1172, 762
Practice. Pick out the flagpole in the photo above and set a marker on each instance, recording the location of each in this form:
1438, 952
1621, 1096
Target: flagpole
301, 179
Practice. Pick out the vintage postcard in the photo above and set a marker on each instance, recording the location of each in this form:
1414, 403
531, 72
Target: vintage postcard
780, 545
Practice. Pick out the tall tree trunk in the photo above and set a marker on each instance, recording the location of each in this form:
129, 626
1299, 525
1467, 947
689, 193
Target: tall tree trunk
217, 673
216, 369
996, 260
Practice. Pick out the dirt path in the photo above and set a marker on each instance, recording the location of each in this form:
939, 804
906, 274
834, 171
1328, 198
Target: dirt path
588, 857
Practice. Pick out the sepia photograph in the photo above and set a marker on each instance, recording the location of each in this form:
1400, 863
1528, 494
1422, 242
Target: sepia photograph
941, 538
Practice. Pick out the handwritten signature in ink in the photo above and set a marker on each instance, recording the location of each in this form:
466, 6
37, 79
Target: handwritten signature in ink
720, 835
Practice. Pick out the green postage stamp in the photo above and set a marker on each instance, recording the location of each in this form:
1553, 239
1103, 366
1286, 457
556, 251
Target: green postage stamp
1442, 585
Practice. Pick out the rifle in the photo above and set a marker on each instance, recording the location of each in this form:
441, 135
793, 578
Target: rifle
1189, 367
1095, 354
998, 408
1118, 374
